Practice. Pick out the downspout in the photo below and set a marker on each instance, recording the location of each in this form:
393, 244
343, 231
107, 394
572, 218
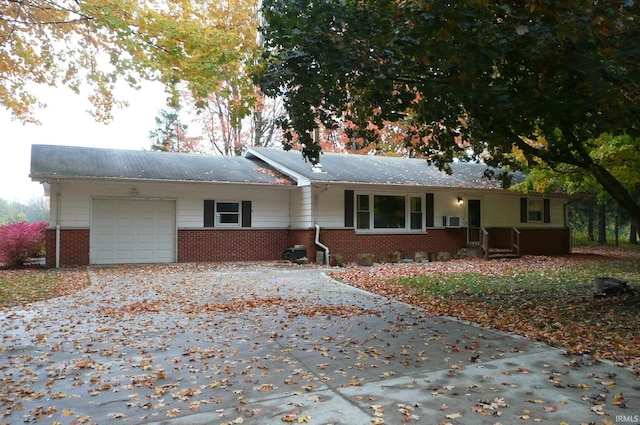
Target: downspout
326, 248
57, 228
315, 219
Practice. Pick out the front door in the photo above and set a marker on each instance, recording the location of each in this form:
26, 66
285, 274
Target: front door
474, 213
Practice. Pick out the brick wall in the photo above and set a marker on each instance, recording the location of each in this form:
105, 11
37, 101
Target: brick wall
349, 244
533, 241
545, 241
231, 245
74, 247
268, 245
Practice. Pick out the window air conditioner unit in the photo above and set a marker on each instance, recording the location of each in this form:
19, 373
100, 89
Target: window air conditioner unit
453, 221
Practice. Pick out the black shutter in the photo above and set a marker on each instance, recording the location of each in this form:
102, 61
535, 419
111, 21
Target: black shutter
524, 210
547, 210
429, 209
348, 208
209, 213
246, 213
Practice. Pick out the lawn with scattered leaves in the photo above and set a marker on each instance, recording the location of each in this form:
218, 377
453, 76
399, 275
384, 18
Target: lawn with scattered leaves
30, 284
547, 299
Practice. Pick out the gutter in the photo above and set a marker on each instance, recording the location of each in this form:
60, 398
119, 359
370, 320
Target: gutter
326, 248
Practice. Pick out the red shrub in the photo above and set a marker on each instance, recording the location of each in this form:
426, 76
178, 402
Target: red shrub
21, 241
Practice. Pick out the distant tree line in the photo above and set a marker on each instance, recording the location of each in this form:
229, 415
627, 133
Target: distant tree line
595, 223
33, 211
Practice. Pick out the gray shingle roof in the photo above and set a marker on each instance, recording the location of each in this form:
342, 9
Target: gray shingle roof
48, 161
369, 169
256, 167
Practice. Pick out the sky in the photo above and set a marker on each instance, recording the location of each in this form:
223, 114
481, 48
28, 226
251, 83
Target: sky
66, 122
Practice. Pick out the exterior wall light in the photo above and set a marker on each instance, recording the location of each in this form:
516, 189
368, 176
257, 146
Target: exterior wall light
460, 201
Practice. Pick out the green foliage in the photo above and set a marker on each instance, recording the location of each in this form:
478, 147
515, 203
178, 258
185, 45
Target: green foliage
188, 46
170, 134
548, 78
36, 209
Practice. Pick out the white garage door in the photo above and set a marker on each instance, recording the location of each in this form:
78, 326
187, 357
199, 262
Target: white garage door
132, 231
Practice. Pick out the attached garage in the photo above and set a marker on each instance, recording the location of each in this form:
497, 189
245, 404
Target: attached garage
132, 231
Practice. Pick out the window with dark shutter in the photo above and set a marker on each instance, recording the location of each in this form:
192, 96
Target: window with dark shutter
547, 211
429, 209
209, 213
246, 213
524, 210
348, 208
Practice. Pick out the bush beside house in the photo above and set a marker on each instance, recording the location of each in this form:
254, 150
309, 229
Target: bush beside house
21, 241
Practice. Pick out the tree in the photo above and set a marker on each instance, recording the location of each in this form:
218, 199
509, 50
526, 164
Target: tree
170, 134
185, 45
547, 78
34, 210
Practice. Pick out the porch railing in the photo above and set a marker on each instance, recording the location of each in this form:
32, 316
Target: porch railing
479, 236
515, 241
485, 242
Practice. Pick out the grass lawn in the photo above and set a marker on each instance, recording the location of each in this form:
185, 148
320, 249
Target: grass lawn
548, 299
25, 285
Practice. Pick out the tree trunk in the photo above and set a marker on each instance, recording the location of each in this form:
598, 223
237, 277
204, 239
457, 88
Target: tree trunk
602, 226
618, 192
633, 231
590, 220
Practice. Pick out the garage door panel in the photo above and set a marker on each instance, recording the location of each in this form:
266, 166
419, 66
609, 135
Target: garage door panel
132, 231
124, 256
164, 239
146, 239
102, 256
145, 255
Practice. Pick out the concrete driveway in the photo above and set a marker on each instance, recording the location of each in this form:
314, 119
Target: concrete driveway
258, 344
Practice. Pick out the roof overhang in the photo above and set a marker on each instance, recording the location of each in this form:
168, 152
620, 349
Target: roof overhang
298, 178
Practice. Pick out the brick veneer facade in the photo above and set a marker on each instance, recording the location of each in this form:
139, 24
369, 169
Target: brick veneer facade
231, 245
350, 244
74, 247
201, 245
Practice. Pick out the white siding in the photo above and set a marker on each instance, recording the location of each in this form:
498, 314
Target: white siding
270, 206
301, 208
329, 206
498, 209
446, 204
287, 206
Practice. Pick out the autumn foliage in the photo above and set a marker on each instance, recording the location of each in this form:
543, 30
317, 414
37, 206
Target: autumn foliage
547, 299
21, 241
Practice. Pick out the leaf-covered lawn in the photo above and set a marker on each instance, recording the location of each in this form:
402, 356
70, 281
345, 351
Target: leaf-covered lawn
26, 285
547, 299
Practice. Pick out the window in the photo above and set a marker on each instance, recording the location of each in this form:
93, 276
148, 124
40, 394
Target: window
416, 213
535, 209
363, 212
388, 212
227, 213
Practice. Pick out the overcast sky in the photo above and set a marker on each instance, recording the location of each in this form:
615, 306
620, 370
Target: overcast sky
66, 122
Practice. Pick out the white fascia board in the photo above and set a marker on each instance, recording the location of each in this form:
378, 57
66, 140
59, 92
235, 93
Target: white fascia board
299, 178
